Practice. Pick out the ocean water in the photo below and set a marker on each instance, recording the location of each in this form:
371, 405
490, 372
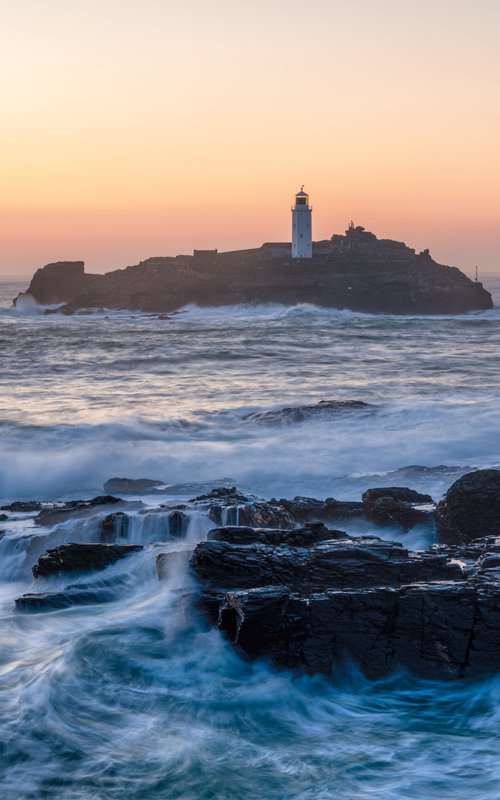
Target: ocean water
135, 698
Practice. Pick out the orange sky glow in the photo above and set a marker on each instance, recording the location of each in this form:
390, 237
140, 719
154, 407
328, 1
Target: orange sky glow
132, 129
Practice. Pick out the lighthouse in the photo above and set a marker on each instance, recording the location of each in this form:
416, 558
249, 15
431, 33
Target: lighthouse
301, 226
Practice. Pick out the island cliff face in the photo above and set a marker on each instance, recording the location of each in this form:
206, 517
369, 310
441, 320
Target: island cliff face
356, 271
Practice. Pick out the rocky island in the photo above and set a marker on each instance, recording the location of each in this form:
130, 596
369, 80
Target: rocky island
354, 271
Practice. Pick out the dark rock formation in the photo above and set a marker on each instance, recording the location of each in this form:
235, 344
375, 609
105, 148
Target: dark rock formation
297, 537
227, 506
395, 505
323, 409
348, 562
356, 271
23, 506
224, 493
114, 526
470, 508
81, 557
308, 509
77, 595
312, 604
396, 493
73, 508
3, 517
131, 485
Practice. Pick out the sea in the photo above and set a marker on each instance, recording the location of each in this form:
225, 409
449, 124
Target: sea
136, 699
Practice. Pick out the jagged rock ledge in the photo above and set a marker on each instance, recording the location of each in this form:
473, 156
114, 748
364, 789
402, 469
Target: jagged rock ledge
356, 271
312, 597
315, 598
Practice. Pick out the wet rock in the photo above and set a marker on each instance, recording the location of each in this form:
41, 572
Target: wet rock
114, 526
358, 561
469, 554
399, 494
433, 630
229, 494
262, 515
293, 414
23, 506
132, 485
78, 595
395, 505
178, 524
312, 605
3, 517
298, 537
161, 525
308, 509
81, 557
73, 508
227, 506
470, 508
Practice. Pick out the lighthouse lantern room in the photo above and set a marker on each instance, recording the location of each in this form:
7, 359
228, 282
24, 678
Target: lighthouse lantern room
301, 226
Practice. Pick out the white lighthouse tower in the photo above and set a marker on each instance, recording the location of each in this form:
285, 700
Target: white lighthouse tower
301, 226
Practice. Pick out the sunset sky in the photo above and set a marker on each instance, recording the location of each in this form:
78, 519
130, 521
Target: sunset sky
133, 128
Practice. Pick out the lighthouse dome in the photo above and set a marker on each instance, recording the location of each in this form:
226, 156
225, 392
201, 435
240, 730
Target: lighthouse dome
301, 198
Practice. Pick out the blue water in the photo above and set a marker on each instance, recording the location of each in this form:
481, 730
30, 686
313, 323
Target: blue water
135, 699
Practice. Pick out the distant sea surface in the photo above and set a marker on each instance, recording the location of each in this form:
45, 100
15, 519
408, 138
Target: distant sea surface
133, 699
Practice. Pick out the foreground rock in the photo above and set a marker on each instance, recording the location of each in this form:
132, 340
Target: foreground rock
355, 271
307, 602
470, 508
81, 557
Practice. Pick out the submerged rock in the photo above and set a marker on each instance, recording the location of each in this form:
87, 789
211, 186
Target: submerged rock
77, 595
311, 603
321, 410
470, 508
81, 556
